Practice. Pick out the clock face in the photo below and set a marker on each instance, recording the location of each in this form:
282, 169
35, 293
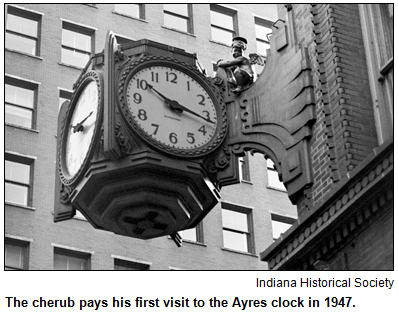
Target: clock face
172, 109
80, 132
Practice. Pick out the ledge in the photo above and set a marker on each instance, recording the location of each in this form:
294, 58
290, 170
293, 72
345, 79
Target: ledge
239, 252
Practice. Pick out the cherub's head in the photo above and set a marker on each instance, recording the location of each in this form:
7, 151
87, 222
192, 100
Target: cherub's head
237, 52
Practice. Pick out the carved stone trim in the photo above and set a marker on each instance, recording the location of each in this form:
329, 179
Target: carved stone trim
358, 189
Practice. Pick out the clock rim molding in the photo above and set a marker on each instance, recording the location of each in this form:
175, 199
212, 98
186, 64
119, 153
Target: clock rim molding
130, 69
91, 76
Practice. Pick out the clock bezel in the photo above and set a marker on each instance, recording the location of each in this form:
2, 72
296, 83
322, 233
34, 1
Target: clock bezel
66, 178
152, 61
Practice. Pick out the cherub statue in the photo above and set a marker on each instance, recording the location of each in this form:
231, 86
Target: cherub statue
240, 66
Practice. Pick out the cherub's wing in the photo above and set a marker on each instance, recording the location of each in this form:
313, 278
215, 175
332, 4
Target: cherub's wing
256, 59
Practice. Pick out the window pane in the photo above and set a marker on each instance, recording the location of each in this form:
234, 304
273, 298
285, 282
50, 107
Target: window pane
387, 37
273, 180
20, 96
221, 36
262, 31
223, 20
128, 9
16, 194
64, 262
21, 44
76, 263
71, 57
22, 25
189, 234
262, 48
235, 220
236, 241
60, 262
177, 8
14, 256
279, 228
17, 172
76, 40
18, 116
176, 22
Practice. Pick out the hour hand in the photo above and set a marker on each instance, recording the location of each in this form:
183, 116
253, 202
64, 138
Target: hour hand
79, 126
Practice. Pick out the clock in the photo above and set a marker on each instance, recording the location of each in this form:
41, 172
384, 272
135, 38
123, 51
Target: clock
172, 106
81, 127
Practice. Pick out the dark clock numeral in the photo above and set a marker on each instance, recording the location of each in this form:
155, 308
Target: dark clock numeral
156, 126
207, 114
188, 86
155, 76
173, 138
171, 77
203, 130
137, 98
142, 115
191, 138
142, 84
202, 101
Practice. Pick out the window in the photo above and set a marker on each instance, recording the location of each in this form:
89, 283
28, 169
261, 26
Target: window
23, 31
134, 10
244, 168
65, 259
20, 102
237, 228
179, 17
273, 177
64, 96
263, 28
120, 264
18, 179
280, 224
223, 24
76, 45
377, 26
16, 254
193, 234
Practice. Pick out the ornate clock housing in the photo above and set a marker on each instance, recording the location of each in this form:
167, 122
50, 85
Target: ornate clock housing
81, 128
172, 106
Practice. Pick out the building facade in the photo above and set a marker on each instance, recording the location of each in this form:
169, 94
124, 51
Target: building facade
346, 217
47, 46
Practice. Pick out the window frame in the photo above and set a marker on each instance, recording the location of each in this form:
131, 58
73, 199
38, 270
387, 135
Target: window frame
244, 168
141, 11
80, 29
280, 187
264, 23
249, 234
281, 219
24, 161
188, 19
229, 12
199, 234
64, 252
133, 264
29, 15
26, 85
25, 248
380, 69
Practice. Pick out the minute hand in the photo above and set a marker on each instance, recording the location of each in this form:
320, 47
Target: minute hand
177, 106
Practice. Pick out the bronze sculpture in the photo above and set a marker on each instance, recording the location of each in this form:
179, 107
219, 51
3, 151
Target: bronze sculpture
241, 70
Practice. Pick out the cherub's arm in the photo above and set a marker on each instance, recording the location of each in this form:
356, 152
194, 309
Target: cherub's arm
229, 63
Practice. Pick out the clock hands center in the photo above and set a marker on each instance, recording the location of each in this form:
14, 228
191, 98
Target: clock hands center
79, 126
174, 105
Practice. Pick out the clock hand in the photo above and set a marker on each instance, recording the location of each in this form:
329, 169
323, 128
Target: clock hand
177, 106
79, 126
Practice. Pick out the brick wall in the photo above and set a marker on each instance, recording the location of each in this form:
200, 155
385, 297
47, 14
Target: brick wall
344, 133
